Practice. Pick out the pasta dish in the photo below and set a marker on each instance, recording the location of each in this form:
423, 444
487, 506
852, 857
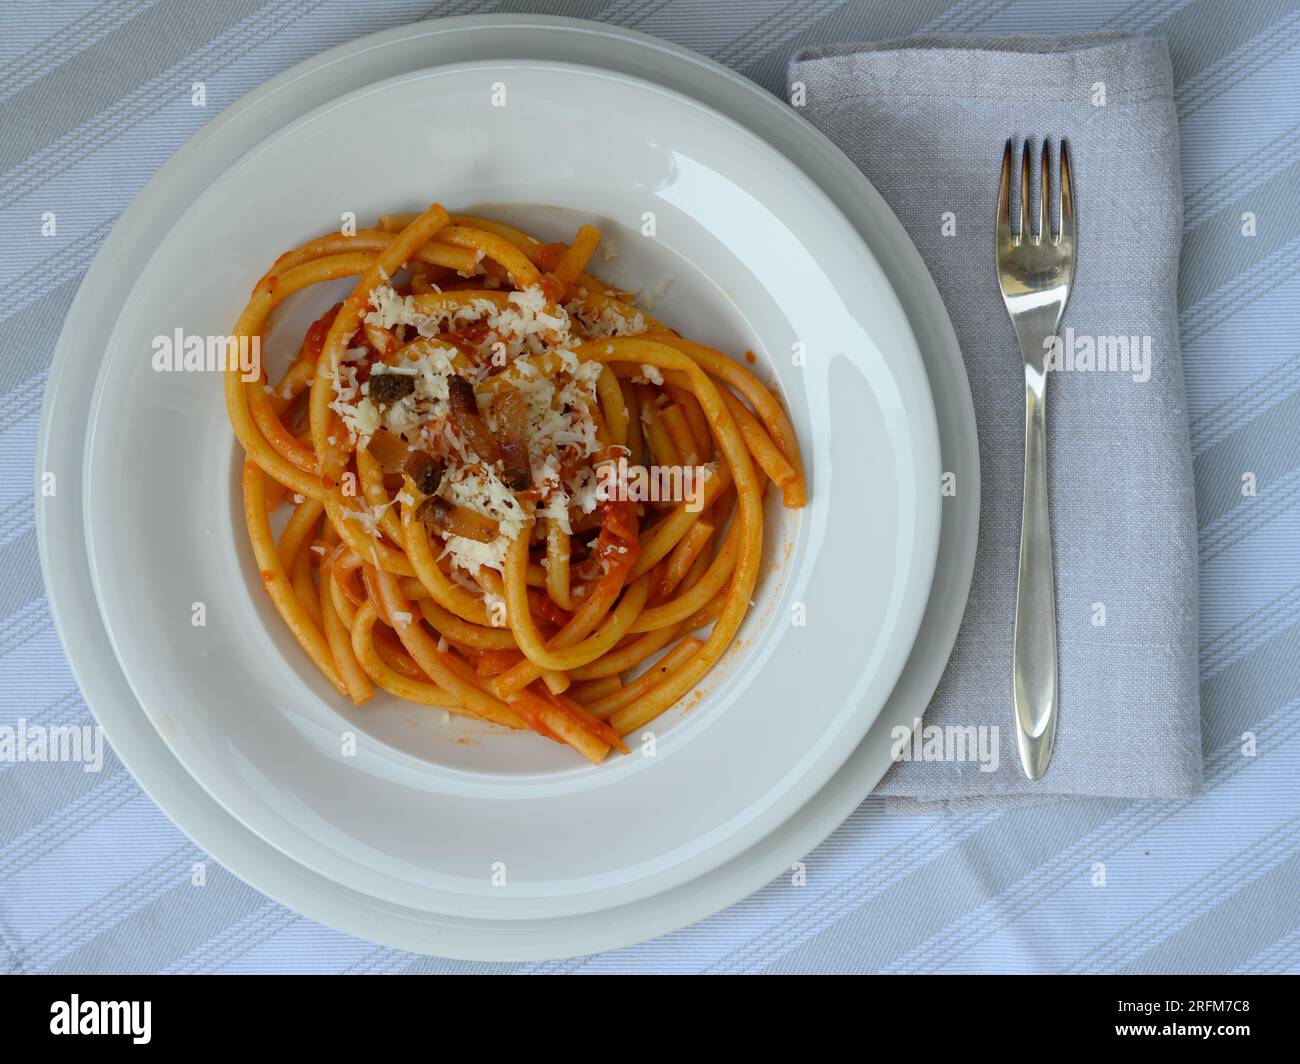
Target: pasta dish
507, 490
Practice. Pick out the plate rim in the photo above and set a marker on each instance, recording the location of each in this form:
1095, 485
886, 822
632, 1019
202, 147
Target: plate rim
361, 915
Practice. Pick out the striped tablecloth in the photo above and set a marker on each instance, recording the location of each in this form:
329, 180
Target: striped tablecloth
94, 97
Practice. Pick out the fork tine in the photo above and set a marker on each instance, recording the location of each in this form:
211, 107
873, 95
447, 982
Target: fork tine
1004, 198
1026, 234
1067, 200
1045, 197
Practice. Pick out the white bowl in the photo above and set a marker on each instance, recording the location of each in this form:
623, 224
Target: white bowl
757, 258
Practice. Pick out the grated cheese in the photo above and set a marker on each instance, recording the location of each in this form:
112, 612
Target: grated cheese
560, 407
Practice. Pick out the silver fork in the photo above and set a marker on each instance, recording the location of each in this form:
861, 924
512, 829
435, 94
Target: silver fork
1034, 272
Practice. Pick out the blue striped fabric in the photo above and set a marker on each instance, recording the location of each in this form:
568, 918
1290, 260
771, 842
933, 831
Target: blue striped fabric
95, 95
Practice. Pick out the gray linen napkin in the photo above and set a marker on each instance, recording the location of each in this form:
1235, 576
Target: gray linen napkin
926, 121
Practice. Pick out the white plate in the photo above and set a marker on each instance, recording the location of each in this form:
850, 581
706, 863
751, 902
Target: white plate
756, 258
66, 407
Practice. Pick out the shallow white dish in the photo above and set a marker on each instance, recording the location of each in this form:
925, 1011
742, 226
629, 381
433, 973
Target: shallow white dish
758, 258
62, 437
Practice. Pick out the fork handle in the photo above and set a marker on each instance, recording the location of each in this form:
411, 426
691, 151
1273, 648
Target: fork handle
1034, 654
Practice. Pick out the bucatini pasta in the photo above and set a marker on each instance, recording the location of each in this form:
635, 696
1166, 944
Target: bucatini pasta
513, 494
